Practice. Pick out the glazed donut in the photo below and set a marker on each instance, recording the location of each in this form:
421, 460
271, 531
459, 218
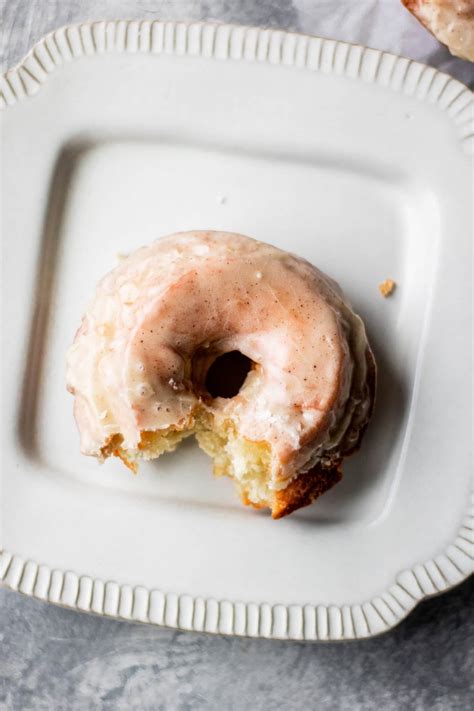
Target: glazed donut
450, 21
177, 322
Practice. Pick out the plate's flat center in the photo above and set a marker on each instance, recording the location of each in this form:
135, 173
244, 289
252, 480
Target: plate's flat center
115, 197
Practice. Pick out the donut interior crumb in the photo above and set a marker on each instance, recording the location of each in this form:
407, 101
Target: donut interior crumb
387, 287
246, 462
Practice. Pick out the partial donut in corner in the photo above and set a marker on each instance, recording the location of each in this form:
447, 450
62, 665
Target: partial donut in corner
450, 21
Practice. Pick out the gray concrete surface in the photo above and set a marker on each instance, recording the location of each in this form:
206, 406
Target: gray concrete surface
59, 660
55, 659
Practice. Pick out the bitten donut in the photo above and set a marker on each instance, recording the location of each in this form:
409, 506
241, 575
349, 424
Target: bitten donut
251, 349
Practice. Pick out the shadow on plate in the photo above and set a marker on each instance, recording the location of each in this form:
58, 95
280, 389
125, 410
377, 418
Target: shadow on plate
44, 288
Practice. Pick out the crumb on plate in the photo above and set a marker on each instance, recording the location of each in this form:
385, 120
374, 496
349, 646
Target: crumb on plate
387, 287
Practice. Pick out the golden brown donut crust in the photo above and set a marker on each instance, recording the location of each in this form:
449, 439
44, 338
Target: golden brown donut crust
309, 486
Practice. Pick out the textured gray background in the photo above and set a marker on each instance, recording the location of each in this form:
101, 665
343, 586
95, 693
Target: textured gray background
55, 659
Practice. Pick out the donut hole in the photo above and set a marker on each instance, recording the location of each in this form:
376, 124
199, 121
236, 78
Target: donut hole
227, 374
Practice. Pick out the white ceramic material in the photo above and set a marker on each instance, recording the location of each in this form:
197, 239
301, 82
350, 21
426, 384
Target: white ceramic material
117, 133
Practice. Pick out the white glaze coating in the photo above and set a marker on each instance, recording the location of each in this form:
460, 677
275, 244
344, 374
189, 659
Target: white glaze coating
189, 297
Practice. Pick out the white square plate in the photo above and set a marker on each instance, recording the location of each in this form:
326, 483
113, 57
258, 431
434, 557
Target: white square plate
354, 159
